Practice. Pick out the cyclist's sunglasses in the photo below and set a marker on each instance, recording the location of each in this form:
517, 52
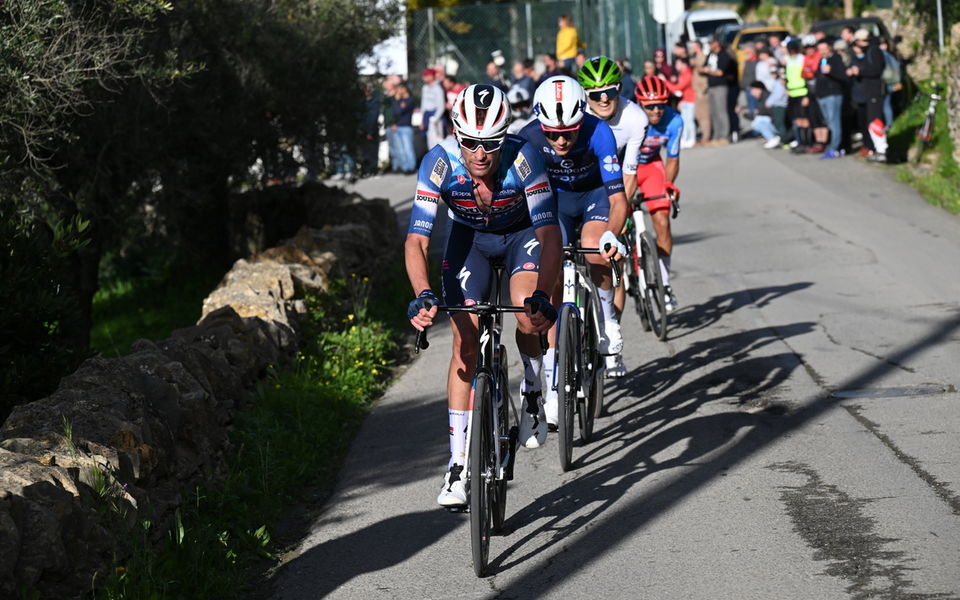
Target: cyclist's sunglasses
662, 106
473, 144
555, 134
607, 93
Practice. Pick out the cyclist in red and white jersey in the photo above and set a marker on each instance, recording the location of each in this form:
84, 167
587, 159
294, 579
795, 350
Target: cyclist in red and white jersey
656, 178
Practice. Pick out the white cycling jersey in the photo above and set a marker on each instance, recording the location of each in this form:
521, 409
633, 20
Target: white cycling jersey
629, 125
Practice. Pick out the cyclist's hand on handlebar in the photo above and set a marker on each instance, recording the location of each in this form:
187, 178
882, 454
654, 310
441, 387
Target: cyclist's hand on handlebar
540, 310
611, 247
422, 310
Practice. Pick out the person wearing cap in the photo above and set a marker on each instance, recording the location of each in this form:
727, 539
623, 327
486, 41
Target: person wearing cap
867, 69
432, 107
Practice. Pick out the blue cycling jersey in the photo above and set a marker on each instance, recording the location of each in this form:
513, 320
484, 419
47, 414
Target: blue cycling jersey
524, 196
665, 134
590, 164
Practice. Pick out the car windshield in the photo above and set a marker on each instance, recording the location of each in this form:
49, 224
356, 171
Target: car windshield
749, 38
706, 28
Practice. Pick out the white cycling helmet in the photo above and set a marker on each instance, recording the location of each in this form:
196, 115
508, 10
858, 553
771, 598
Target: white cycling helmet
559, 102
518, 94
481, 112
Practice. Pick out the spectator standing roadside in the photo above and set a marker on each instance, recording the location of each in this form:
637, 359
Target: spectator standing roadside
777, 51
799, 103
680, 51
403, 129
370, 131
717, 69
748, 75
568, 44
522, 78
495, 77
892, 80
700, 85
627, 84
763, 70
683, 90
550, 68
432, 108
387, 102
663, 67
868, 68
831, 85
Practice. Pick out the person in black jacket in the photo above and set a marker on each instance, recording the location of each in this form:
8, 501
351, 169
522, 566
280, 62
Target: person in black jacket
867, 67
831, 82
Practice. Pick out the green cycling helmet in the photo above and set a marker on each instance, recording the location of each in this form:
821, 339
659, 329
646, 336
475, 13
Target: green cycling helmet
599, 71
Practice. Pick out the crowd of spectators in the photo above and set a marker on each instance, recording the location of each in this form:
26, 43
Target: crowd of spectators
811, 94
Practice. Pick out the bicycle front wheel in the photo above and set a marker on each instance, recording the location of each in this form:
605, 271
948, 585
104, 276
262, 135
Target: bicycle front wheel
566, 378
482, 471
654, 302
592, 373
638, 289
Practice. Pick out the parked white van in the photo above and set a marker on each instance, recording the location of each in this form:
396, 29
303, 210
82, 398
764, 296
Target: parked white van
699, 25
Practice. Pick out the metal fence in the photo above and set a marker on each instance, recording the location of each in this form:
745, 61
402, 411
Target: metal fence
463, 37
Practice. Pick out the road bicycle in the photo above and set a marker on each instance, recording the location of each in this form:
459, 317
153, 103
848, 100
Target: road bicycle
644, 281
925, 132
492, 425
579, 371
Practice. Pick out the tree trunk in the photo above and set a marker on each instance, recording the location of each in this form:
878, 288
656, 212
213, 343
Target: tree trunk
848, 9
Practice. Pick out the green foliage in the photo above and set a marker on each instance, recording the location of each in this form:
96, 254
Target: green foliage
33, 257
294, 436
933, 171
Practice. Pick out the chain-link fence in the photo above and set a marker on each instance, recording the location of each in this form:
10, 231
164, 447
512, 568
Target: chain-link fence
462, 38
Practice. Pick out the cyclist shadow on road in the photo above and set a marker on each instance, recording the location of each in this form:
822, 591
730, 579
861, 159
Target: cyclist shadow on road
691, 319
657, 422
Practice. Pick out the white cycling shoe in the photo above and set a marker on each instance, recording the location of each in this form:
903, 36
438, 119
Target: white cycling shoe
611, 342
615, 366
533, 425
550, 409
453, 492
669, 299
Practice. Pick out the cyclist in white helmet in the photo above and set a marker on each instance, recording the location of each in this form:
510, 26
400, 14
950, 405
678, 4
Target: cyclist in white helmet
600, 77
520, 108
501, 206
580, 153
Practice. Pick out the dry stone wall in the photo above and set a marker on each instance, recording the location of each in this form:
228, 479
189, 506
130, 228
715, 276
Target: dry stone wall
140, 430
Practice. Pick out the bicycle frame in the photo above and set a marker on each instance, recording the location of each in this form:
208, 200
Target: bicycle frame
578, 290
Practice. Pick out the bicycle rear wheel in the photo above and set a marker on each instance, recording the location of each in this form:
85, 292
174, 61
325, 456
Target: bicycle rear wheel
654, 302
482, 472
637, 283
566, 378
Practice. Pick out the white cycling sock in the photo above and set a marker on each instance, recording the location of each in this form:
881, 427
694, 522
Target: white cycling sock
457, 420
549, 366
531, 373
606, 304
665, 269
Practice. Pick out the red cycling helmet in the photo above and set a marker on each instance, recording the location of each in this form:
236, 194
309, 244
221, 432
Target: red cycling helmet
651, 90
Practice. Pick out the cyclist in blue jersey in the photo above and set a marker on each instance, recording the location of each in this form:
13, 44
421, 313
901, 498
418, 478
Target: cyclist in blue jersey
501, 206
656, 180
580, 153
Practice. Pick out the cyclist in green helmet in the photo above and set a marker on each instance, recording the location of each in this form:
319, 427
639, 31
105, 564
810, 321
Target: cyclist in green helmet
600, 77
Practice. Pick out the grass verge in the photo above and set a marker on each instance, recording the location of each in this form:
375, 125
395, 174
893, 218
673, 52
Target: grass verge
932, 170
294, 436
126, 310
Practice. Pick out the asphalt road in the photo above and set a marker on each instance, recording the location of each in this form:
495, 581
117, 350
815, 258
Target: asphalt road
795, 437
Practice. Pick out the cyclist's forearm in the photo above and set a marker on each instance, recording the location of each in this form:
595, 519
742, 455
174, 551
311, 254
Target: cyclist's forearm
550, 250
671, 169
415, 257
618, 212
630, 186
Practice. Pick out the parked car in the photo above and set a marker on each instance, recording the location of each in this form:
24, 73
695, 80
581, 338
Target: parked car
751, 35
699, 25
726, 33
833, 27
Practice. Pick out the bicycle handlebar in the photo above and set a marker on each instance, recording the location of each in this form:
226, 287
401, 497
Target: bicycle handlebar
614, 266
481, 308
